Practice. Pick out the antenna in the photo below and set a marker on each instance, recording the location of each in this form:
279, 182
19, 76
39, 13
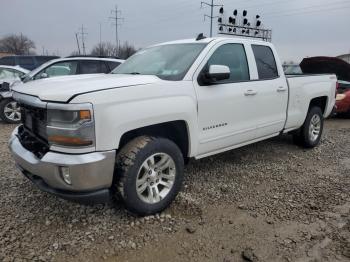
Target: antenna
200, 37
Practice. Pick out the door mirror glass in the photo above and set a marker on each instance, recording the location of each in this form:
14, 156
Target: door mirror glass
217, 73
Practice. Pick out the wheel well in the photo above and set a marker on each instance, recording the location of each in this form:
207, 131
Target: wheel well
320, 102
175, 131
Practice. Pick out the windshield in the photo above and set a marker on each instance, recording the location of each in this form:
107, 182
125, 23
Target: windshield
168, 62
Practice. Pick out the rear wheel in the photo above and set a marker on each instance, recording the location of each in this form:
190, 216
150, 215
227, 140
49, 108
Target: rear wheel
309, 135
149, 174
10, 111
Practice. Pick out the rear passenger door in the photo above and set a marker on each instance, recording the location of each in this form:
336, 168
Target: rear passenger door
271, 90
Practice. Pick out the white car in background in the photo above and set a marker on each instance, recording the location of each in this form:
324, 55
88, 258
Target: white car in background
11, 73
10, 110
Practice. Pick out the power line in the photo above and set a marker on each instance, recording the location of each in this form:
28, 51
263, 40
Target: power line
337, 3
309, 12
212, 5
116, 18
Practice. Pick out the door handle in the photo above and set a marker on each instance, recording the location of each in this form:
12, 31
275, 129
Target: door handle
250, 93
281, 89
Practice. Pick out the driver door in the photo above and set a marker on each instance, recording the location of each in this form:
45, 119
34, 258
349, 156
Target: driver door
226, 109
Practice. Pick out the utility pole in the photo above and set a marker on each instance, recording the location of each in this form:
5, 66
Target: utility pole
76, 37
116, 18
100, 34
82, 35
212, 5
100, 45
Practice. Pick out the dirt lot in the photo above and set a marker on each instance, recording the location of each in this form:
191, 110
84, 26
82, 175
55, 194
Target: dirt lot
272, 201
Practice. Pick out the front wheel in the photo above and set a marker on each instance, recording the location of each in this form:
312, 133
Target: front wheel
309, 135
10, 111
149, 174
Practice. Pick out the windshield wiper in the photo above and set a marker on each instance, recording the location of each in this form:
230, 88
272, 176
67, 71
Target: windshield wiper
134, 73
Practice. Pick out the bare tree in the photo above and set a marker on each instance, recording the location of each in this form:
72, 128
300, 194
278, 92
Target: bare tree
126, 50
104, 49
17, 44
108, 49
75, 53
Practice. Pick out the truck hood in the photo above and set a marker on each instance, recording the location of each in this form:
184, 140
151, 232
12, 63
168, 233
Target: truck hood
61, 89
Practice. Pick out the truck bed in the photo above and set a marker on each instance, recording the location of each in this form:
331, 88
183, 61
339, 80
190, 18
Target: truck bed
301, 90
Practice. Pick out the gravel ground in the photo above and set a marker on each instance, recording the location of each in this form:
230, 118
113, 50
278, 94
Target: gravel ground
271, 201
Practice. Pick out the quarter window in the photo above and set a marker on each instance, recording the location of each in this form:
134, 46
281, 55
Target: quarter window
112, 65
265, 61
234, 57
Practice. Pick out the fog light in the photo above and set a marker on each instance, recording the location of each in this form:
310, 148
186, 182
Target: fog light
65, 174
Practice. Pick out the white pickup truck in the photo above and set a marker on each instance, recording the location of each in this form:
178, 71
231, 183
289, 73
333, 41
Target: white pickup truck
87, 138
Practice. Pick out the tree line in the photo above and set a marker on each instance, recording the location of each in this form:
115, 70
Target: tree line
23, 45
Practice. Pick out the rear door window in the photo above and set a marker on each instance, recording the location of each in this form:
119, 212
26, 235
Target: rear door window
265, 62
90, 67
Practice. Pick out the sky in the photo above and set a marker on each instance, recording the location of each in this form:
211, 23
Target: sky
300, 27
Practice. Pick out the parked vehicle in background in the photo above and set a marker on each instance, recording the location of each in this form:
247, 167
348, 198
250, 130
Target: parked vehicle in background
11, 73
29, 62
8, 107
332, 65
343, 98
129, 133
55, 68
73, 66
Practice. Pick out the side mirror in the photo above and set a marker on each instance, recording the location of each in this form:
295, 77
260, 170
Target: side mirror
217, 73
44, 75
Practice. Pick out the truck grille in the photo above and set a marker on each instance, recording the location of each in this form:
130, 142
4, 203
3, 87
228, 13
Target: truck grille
34, 120
32, 134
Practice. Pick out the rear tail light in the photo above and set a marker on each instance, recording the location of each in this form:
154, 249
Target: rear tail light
336, 88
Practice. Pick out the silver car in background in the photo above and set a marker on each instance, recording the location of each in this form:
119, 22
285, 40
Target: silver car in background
9, 109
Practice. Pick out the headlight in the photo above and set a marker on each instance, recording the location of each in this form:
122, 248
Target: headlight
70, 125
340, 97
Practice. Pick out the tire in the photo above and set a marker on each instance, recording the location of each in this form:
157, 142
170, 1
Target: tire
134, 167
5, 114
309, 135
